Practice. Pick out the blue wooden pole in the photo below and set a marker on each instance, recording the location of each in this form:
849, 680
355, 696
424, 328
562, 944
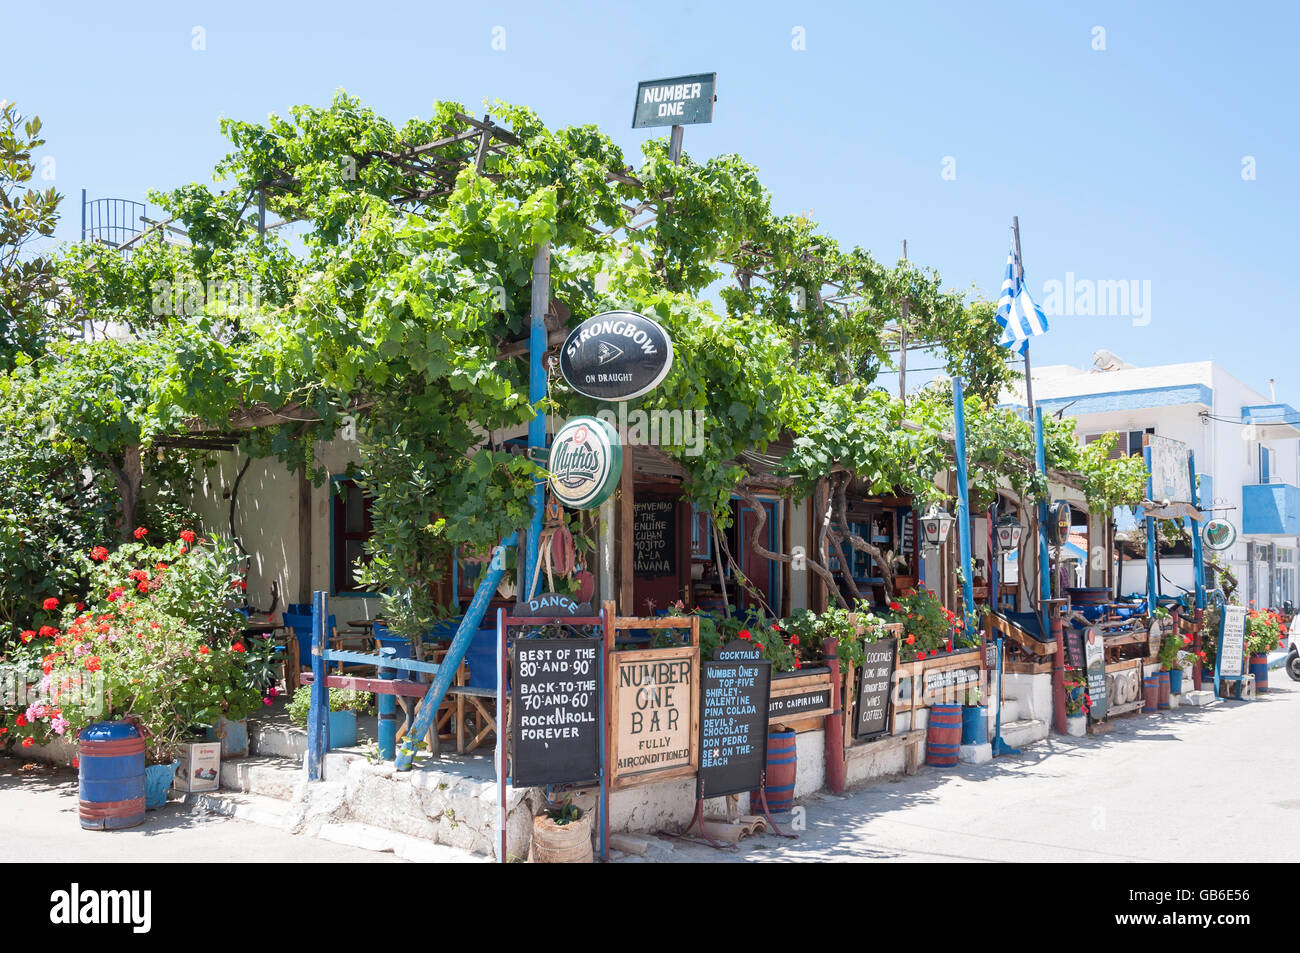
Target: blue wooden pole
1152, 599
387, 734
963, 508
318, 721
1198, 554
1044, 558
541, 302
455, 654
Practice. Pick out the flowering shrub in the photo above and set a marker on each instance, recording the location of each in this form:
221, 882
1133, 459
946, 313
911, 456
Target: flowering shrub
1077, 699
929, 627
1264, 631
853, 631
157, 639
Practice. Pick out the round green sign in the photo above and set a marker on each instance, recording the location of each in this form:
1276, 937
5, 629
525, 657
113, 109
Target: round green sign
586, 462
1219, 534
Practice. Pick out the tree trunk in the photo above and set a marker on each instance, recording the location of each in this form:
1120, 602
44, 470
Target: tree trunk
129, 474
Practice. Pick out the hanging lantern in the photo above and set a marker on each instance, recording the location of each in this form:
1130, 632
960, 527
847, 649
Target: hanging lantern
1009, 533
935, 525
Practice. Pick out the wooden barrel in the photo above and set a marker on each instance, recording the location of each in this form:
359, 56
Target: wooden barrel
1151, 693
111, 776
1259, 668
554, 843
944, 735
782, 766
1163, 685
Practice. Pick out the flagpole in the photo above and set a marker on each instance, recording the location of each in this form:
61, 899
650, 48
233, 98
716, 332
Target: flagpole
1020, 278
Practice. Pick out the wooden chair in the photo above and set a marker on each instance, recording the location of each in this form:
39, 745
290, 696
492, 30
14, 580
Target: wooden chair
476, 717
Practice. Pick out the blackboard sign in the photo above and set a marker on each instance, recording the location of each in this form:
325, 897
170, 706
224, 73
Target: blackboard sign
555, 718
654, 537
874, 687
1075, 657
950, 685
734, 690
804, 704
1095, 653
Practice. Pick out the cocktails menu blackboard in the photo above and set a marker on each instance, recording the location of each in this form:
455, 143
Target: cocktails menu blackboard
734, 695
874, 687
1074, 654
555, 718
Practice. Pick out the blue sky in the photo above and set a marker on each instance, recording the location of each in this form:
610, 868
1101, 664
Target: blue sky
1122, 164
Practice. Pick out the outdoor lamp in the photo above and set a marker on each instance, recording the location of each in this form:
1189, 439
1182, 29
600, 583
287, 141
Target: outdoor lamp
935, 525
1009, 533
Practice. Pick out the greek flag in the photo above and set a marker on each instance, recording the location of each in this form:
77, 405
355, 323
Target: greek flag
1020, 318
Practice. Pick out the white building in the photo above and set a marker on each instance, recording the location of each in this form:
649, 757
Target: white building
1244, 444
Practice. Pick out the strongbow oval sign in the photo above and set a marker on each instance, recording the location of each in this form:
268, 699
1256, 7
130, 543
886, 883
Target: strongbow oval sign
585, 464
617, 355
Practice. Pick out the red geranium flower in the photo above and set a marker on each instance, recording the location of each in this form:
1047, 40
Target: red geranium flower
794, 640
21, 721
895, 607
50, 604
204, 650
237, 647
99, 554
115, 594
48, 632
920, 655
911, 639
141, 532
744, 633
93, 663
28, 742
28, 635
187, 536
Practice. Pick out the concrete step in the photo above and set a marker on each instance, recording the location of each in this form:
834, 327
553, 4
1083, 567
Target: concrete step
269, 777
1023, 732
277, 741
1010, 710
255, 808
414, 849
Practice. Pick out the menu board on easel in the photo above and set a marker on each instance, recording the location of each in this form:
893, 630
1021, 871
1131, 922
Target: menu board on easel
734, 690
1232, 642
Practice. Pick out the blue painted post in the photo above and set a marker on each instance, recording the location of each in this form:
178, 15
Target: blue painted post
963, 508
1044, 558
1152, 599
387, 735
541, 302
1198, 555
455, 654
318, 721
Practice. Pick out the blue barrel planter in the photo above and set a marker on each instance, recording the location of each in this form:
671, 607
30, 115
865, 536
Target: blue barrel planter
157, 782
1259, 668
110, 787
1176, 681
343, 729
943, 736
233, 736
974, 725
782, 767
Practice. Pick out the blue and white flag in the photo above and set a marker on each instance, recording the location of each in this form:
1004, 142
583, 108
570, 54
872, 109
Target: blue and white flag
1020, 318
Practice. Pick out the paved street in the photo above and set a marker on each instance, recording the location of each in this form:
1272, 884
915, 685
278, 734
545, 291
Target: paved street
1221, 783
38, 822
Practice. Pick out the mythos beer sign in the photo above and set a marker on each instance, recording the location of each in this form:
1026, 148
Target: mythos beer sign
617, 355
586, 462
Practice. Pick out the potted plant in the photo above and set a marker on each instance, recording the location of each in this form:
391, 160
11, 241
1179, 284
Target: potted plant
1264, 634
345, 705
562, 835
929, 627
974, 717
1077, 704
1170, 663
